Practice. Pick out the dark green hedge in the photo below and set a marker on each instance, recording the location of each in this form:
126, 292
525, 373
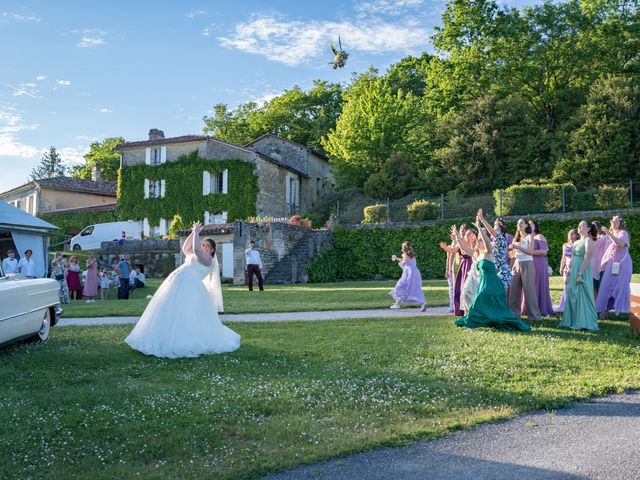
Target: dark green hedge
184, 190
72, 223
363, 253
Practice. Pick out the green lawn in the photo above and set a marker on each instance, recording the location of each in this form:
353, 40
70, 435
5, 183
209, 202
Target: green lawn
286, 298
84, 404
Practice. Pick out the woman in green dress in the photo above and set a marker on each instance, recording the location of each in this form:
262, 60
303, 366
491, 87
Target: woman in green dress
489, 307
580, 307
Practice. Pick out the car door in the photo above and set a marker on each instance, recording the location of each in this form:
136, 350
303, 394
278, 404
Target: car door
16, 320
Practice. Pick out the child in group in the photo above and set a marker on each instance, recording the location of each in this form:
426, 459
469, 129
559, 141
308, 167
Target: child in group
105, 282
409, 287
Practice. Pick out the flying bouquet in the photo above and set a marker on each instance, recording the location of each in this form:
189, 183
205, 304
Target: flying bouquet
340, 58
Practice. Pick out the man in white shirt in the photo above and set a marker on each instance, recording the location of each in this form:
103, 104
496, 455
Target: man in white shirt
26, 265
141, 279
133, 276
10, 264
254, 266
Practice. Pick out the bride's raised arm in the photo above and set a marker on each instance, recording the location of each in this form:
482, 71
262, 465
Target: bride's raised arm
187, 246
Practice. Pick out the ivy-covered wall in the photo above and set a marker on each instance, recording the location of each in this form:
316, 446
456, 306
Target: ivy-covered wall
183, 194
363, 253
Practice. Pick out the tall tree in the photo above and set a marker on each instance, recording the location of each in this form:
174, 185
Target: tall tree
605, 148
50, 166
104, 155
374, 124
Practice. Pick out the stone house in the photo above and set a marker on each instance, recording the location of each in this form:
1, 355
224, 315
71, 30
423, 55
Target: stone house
290, 177
53, 195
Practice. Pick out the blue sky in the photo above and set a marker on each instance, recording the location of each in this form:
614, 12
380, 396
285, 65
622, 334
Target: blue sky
72, 72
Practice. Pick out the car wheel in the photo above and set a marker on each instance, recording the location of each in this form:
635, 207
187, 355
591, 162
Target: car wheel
77, 247
45, 328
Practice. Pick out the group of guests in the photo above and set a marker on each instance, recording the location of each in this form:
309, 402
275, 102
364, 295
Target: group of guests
501, 278
76, 283
25, 265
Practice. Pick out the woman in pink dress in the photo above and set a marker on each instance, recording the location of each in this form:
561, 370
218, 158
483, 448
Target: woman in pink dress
602, 242
614, 289
91, 283
73, 279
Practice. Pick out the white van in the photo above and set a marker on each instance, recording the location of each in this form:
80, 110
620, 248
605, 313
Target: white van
91, 237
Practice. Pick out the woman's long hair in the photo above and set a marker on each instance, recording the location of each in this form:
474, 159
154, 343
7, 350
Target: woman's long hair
407, 247
527, 231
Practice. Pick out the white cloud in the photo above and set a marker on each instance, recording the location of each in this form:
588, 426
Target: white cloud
63, 82
196, 13
266, 97
15, 17
106, 110
73, 155
88, 42
295, 42
11, 147
206, 32
388, 7
41, 77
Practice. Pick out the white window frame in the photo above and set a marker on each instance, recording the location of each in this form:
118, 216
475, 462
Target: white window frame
215, 183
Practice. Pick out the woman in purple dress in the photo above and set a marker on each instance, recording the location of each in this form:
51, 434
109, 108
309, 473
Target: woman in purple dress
614, 289
466, 244
565, 263
602, 242
409, 287
91, 283
541, 266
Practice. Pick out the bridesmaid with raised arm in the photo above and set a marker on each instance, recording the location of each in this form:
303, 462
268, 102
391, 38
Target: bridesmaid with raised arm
565, 264
465, 243
499, 245
489, 307
615, 291
541, 267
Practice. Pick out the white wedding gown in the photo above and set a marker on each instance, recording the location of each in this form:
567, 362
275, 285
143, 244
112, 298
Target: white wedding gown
181, 319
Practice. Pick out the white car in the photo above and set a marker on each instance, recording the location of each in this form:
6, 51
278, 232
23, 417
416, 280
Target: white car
29, 307
91, 237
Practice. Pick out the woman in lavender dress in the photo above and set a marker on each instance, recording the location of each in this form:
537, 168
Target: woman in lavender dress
614, 289
409, 287
602, 242
540, 249
565, 263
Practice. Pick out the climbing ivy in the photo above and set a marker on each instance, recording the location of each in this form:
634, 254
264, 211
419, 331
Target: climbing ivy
183, 190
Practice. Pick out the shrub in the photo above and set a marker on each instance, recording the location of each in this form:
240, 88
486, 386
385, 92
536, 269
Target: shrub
392, 180
524, 199
316, 221
375, 214
611, 198
423, 210
324, 267
584, 201
176, 226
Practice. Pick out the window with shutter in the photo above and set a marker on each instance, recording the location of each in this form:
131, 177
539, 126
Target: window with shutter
156, 158
206, 183
146, 188
147, 156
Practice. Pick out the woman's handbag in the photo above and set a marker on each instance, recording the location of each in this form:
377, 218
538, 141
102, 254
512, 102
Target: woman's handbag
615, 266
59, 276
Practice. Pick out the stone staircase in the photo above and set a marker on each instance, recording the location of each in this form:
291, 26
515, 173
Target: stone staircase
292, 267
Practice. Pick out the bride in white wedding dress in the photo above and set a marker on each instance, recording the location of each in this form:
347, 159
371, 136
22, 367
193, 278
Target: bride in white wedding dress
181, 319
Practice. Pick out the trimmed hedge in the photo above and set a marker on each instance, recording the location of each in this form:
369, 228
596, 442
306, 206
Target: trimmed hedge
525, 199
375, 214
369, 250
423, 210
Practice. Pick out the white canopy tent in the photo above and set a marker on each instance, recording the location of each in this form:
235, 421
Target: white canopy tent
27, 232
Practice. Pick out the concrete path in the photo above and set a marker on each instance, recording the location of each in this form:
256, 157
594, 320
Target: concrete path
276, 317
595, 440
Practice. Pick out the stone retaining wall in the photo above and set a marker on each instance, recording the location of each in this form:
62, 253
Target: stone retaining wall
158, 258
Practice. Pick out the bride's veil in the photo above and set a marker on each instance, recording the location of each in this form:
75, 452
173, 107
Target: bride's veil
214, 285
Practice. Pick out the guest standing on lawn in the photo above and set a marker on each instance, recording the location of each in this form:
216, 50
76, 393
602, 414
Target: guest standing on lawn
123, 275
602, 243
580, 309
105, 282
58, 273
541, 267
254, 266
91, 283
449, 269
565, 264
499, 247
524, 276
73, 279
489, 307
614, 289
465, 243
409, 288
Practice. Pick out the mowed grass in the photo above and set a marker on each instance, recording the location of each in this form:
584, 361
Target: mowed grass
86, 405
286, 298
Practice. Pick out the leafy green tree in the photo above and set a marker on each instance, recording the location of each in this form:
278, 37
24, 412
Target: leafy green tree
176, 225
104, 155
50, 166
301, 116
605, 148
409, 74
393, 180
374, 123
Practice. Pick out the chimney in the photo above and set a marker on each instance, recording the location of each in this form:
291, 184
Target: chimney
95, 173
155, 134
